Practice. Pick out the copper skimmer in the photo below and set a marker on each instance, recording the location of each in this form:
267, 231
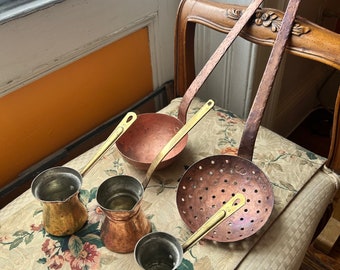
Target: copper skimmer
210, 182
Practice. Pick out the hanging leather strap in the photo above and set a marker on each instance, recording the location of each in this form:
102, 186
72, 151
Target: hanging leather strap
252, 126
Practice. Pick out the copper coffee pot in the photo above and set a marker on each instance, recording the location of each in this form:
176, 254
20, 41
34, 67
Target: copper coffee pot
58, 188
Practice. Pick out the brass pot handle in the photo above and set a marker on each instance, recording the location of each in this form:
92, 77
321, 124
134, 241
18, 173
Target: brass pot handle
176, 138
126, 122
234, 204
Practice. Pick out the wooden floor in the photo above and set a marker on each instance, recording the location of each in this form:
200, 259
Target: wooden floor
314, 134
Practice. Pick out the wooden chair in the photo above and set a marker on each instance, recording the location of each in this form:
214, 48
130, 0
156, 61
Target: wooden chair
283, 243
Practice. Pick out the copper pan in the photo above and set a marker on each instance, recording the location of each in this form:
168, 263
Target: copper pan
210, 182
148, 135
160, 250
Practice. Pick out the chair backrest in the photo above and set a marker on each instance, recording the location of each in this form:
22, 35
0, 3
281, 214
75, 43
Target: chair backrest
308, 40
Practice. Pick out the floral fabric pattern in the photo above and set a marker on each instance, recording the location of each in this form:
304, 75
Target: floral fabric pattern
25, 244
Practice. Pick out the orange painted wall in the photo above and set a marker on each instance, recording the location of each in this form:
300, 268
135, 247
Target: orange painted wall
49, 113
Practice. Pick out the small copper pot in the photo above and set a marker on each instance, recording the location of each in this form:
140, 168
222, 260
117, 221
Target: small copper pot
160, 250
57, 189
120, 199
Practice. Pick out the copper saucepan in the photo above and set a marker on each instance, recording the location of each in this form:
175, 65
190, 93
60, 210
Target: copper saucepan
148, 135
160, 250
207, 184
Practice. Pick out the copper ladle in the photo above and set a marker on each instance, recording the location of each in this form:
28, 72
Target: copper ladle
147, 136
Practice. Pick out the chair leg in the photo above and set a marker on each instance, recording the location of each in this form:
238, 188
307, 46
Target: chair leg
331, 232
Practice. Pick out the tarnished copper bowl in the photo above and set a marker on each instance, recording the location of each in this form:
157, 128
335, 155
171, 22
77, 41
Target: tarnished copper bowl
147, 136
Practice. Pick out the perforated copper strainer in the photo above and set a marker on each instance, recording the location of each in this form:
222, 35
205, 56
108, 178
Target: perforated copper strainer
212, 181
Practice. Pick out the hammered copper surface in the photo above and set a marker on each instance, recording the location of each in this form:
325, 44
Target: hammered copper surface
120, 198
211, 182
147, 136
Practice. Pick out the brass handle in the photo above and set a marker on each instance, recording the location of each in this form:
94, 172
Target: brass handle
126, 122
176, 138
234, 204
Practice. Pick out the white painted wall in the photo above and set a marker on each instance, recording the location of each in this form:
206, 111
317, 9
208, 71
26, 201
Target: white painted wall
46, 40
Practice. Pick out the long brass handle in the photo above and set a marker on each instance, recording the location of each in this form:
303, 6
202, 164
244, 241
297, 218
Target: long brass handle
126, 122
176, 138
234, 204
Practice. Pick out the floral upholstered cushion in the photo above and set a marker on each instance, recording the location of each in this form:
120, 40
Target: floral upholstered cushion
289, 167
